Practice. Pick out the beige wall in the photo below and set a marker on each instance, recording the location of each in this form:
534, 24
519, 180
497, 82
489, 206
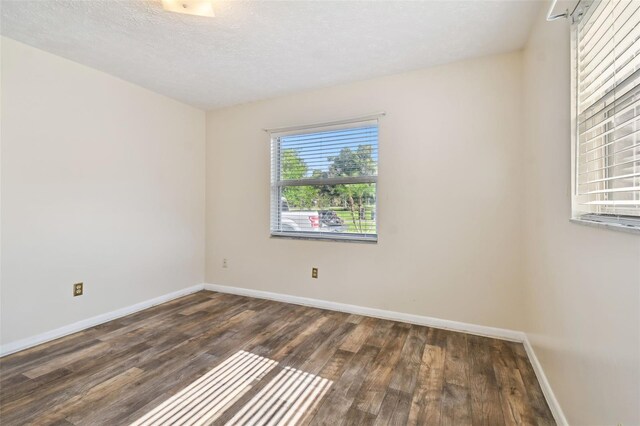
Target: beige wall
102, 182
449, 195
582, 283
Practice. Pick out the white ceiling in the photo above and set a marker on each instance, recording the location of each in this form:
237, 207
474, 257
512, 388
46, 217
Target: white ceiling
255, 50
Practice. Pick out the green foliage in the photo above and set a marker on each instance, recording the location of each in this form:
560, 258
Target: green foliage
294, 167
301, 197
356, 198
353, 163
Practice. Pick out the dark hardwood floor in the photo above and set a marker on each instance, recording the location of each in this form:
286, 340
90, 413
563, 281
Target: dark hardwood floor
212, 358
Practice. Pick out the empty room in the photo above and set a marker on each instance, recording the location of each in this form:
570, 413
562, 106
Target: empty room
373, 212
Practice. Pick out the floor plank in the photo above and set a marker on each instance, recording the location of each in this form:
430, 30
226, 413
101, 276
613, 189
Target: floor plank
330, 368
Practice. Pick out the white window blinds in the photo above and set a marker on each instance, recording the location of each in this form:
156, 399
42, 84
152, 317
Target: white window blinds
324, 181
606, 49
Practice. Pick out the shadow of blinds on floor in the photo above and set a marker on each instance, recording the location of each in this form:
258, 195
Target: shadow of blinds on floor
284, 401
208, 397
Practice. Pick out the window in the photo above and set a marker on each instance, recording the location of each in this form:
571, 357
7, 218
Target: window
324, 181
606, 112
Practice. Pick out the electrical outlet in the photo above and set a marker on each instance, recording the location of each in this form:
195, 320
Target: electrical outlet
225, 263
314, 272
77, 289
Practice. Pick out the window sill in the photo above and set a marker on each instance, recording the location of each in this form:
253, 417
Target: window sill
326, 237
607, 225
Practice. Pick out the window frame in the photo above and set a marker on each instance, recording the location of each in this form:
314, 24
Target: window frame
276, 184
608, 221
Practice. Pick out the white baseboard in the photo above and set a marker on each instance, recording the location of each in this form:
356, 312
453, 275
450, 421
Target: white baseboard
28, 342
480, 330
554, 405
498, 333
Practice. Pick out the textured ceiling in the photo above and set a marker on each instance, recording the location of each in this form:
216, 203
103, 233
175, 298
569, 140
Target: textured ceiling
261, 49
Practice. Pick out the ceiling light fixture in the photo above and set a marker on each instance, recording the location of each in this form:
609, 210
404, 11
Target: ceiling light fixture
190, 7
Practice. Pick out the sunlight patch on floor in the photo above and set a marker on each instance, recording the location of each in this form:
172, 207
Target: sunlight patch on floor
284, 401
208, 397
